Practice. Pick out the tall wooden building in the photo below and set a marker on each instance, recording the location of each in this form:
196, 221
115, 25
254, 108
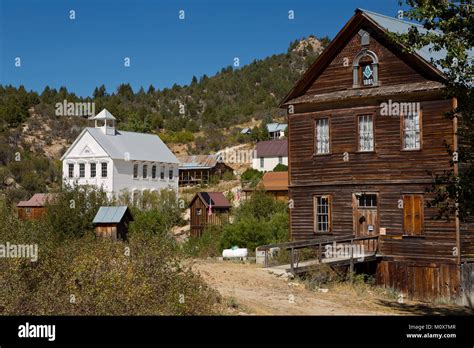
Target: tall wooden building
367, 132
208, 208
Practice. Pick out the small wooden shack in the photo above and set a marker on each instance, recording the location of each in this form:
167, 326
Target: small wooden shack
208, 208
198, 169
274, 184
112, 222
35, 207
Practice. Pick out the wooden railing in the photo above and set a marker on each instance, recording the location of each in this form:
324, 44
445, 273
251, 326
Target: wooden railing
369, 242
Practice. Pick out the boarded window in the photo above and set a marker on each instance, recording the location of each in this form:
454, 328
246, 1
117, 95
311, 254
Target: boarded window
322, 136
82, 170
366, 133
322, 216
411, 131
413, 214
93, 170
71, 170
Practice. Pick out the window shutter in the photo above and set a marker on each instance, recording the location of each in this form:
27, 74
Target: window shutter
408, 214
417, 215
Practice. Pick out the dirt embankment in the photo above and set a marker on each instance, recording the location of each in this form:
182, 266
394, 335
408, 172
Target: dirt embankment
251, 290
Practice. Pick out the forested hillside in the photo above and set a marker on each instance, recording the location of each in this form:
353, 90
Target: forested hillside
202, 114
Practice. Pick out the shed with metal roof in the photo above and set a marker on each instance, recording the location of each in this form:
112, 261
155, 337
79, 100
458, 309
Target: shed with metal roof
112, 222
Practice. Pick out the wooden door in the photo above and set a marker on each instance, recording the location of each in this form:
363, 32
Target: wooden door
366, 218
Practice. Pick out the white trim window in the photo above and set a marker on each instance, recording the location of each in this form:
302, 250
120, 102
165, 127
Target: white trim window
135, 170
93, 168
82, 170
103, 169
262, 162
144, 171
411, 131
70, 168
153, 171
162, 173
170, 174
366, 133
322, 136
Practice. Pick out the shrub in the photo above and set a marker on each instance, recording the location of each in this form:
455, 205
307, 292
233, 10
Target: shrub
93, 276
259, 220
280, 168
208, 245
251, 177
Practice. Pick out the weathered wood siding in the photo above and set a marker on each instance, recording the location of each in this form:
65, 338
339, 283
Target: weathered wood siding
35, 213
337, 77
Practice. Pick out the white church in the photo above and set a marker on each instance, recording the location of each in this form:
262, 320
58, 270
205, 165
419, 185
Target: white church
119, 161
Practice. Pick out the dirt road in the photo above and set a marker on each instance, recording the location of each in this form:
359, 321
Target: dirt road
249, 289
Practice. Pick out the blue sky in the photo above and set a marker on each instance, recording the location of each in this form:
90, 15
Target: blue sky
90, 50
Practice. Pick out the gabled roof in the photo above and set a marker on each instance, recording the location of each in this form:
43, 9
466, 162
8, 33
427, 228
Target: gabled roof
217, 199
38, 200
381, 24
131, 145
275, 181
112, 215
275, 127
199, 161
272, 148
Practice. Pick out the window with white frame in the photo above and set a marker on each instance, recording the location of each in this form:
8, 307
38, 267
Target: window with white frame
366, 133
162, 173
153, 171
322, 136
170, 174
262, 162
411, 131
280, 159
82, 170
135, 171
93, 170
104, 169
322, 216
144, 171
71, 170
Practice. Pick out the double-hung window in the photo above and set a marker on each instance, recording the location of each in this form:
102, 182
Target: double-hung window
366, 133
322, 214
322, 136
411, 129
82, 170
93, 170
71, 170
104, 169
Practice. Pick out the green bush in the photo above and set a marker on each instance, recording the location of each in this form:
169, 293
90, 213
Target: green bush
208, 245
280, 168
79, 274
251, 177
259, 220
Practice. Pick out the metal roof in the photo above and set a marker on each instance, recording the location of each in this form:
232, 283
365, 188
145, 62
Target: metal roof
399, 26
111, 214
275, 127
217, 199
103, 115
38, 200
199, 161
134, 146
272, 148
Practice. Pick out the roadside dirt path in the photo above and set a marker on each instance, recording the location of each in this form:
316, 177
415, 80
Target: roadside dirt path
249, 289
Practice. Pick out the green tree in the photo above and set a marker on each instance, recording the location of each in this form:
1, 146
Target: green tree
450, 27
